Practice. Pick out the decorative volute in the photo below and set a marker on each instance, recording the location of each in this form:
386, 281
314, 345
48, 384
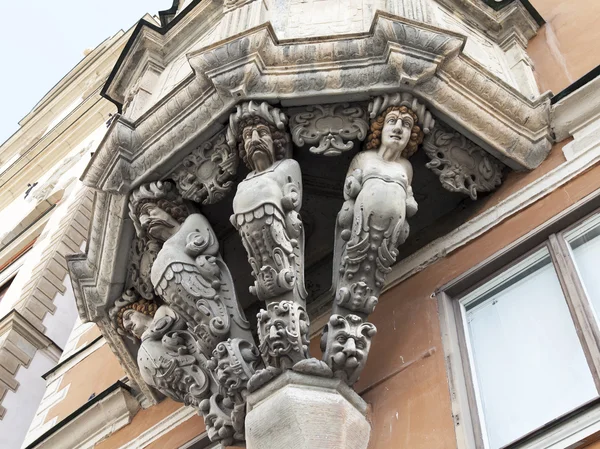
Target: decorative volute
212, 162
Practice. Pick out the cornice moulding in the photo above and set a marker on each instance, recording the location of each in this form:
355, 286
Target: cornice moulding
577, 109
96, 420
395, 55
14, 321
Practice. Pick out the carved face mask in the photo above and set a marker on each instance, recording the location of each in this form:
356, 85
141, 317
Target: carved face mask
136, 322
258, 144
397, 128
348, 340
277, 338
157, 223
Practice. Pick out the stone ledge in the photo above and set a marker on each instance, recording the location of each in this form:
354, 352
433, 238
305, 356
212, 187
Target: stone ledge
282, 414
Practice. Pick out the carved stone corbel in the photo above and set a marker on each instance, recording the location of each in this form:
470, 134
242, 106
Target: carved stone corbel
266, 214
205, 176
461, 165
372, 224
198, 348
333, 127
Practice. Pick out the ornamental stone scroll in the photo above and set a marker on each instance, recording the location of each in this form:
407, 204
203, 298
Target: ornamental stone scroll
461, 165
197, 348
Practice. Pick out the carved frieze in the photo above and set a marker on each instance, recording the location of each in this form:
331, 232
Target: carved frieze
205, 176
461, 165
333, 127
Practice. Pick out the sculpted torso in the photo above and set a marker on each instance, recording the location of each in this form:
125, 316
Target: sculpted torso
268, 187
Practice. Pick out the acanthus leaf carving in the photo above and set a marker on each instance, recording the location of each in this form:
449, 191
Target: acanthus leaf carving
205, 176
333, 127
461, 165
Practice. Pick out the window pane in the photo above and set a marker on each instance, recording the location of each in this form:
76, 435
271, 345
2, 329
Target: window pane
585, 246
528, 362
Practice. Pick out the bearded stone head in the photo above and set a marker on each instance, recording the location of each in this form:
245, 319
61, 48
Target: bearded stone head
258, 130
157, 210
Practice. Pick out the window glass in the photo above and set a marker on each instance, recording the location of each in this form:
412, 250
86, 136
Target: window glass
585, 246
529, 367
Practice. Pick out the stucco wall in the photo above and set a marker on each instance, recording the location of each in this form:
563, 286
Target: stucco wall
565, 48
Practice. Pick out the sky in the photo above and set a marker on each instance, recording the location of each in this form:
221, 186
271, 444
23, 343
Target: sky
42, 40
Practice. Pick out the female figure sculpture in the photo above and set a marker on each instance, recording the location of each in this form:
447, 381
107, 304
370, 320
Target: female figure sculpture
372, 222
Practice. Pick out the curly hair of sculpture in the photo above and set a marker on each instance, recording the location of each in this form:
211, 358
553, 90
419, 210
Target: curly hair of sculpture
248, 118
160, 194
132, 302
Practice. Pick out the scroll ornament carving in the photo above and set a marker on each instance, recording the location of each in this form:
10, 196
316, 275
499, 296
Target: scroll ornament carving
461, 165
373, 220
199, 350
206, 175
332, 127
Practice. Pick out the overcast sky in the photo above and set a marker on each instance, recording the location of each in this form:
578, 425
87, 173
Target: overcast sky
41, 40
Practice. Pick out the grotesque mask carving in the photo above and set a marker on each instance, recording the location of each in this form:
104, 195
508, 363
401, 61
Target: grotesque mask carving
283, 334
346, 345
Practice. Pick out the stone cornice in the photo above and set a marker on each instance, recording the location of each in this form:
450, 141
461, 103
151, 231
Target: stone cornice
14, 321
161, 45
97, 419
574, 111
19, 341
395, 55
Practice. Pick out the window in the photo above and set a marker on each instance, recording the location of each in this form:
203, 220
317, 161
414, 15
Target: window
522, 342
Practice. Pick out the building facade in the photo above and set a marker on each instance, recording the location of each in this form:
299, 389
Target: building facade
289, 187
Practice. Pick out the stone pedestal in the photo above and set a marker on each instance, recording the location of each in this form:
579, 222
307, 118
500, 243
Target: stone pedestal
298, 411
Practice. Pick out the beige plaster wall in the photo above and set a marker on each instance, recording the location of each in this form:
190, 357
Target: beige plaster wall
566, 48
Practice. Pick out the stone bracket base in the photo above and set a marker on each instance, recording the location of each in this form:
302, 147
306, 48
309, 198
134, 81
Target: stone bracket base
298, 411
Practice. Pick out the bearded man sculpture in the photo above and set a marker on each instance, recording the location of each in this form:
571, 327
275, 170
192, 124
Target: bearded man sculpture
267, 203
182, 350
373, 222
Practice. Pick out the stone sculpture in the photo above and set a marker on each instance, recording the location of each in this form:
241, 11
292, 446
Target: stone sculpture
266, 214
346, 346
373, 220
205, 176
199, 348
332, 126
267, 203
461, 165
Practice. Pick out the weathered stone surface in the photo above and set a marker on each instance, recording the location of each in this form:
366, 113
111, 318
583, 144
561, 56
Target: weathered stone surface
296, 411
